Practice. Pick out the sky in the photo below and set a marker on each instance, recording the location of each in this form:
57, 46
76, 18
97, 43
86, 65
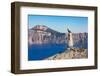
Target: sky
60, 23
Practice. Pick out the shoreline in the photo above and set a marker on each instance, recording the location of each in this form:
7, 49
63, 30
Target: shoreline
73, 53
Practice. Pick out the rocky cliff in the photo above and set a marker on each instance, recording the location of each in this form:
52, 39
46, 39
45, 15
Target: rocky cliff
41, 34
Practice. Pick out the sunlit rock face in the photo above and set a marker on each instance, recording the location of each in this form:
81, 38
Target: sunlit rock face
80, 39
41, 34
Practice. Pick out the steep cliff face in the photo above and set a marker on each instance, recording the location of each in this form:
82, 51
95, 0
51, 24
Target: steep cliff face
42, 35
80, 39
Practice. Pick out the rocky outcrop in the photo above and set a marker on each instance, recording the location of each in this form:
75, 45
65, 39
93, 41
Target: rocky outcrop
74, 53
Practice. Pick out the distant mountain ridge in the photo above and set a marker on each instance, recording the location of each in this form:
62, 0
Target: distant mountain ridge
41, 34
53, 31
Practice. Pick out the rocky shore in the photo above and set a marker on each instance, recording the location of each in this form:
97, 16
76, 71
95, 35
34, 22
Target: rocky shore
73, 53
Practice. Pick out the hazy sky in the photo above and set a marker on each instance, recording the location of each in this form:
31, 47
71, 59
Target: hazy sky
60, 23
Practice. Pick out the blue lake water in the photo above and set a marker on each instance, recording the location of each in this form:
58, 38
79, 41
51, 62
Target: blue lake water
42, 51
